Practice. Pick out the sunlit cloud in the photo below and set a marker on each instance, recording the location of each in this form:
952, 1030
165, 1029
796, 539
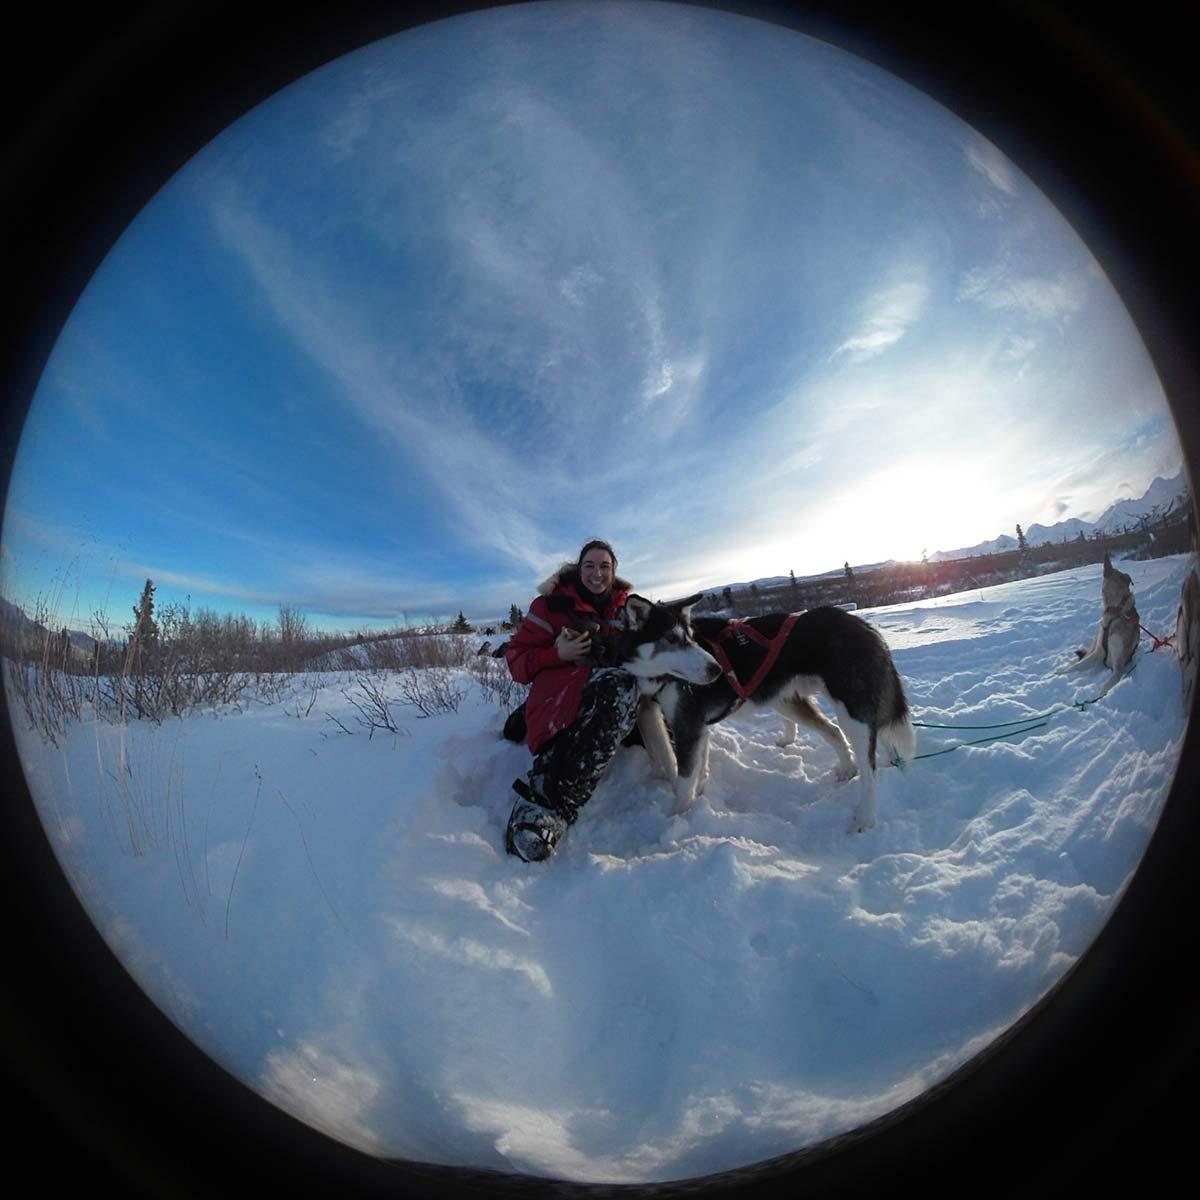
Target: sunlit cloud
887, 316
1040, 297
993, 166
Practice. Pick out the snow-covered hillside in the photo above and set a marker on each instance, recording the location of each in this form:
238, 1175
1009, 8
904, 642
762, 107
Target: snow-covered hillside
333, 917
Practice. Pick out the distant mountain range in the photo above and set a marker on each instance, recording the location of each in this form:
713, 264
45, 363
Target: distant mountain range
1161, 496
15, 618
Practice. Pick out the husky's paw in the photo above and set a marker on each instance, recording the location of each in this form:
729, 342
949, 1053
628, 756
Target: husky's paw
686, 792
860, 824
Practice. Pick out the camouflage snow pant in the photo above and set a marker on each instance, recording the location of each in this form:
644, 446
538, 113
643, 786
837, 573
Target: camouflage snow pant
567, 767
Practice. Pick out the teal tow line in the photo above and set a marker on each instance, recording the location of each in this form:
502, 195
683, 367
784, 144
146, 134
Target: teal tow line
1027, 725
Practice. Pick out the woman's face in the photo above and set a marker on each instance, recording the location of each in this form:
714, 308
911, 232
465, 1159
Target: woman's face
596, 571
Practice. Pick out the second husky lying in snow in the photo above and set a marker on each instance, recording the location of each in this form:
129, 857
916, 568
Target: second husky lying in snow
1117, 637
783, 660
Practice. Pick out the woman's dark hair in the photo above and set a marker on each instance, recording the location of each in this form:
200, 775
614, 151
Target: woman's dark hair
596, 544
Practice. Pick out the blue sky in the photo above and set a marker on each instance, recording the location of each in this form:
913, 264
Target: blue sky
403, 337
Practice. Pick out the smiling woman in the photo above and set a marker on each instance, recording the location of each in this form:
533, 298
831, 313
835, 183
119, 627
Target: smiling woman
381, 340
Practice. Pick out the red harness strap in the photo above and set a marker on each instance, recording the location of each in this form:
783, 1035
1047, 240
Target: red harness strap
1158, 641
772, 646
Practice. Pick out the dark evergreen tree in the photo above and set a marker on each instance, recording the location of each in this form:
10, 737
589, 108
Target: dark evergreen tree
461, 625
1022, 544
145, 629
515, 617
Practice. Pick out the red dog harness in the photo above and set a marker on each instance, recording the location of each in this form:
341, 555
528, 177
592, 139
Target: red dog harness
772, 646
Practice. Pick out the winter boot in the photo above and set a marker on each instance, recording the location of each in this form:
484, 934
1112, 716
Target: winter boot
533, 829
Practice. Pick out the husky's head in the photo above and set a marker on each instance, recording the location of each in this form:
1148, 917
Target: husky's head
1116, 586
660, 642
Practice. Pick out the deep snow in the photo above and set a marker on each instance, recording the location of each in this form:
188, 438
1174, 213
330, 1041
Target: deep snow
333, 917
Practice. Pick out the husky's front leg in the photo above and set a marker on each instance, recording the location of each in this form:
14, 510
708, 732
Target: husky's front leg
1117, 660
691, 754
653, 728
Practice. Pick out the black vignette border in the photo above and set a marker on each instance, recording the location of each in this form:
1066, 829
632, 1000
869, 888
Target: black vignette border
1100, 110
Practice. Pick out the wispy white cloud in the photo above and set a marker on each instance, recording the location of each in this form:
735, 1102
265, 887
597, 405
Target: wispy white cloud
887, 315
471, 472
1039, 297
993, 166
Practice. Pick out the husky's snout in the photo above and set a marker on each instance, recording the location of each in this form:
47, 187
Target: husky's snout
701, 667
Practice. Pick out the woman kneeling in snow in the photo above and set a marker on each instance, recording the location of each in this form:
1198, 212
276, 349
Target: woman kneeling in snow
579, 709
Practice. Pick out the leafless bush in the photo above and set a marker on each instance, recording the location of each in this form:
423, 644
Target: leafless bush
401, 652
372, 705
496, 685
304, 706
38, 672
51, 699
171, 660
431, 690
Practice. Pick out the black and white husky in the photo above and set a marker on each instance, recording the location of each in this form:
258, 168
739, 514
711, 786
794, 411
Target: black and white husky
657, 642
827, 651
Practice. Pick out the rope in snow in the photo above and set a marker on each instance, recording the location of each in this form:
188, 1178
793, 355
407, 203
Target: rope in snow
1158, 641
978, 742
1027, 725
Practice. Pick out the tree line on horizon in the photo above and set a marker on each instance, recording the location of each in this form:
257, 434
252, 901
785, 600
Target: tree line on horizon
1162, 533
201, 642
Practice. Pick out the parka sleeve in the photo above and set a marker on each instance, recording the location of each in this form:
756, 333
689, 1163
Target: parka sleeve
531, 649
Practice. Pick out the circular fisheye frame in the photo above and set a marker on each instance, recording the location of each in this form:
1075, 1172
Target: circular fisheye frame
340, 346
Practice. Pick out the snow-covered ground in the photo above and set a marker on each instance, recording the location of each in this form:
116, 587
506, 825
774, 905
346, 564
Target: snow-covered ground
332, 917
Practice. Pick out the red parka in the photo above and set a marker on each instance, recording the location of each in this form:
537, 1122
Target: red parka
556, 687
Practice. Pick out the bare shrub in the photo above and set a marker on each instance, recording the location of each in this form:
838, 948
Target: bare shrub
399, 652
304, 707
293, 637
40, 671
372, 706
431, 691
496, 685
170, 660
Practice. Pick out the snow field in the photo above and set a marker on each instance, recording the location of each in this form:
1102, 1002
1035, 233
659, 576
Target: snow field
333, 918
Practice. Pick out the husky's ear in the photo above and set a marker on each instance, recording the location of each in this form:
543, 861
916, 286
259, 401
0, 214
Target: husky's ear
637, 609
686, 604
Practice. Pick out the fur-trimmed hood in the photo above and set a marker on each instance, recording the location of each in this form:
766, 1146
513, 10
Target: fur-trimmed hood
569, 573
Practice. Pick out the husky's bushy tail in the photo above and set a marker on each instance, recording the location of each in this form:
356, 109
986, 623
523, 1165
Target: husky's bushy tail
899, 739
896, 731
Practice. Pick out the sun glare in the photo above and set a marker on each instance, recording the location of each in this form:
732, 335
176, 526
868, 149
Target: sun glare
921, 506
